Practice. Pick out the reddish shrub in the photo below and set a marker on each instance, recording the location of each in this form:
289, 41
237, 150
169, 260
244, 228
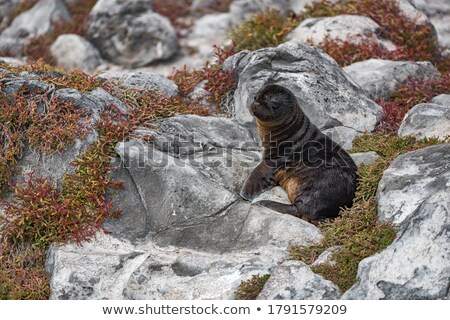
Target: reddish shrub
413, 41
406, 96
218, 82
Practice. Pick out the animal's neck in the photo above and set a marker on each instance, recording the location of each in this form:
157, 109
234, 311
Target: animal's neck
272, 132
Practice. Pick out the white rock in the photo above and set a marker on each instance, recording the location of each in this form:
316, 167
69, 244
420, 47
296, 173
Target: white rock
143, 81
243, 9
74, 52
343, 27
416, 265
426, 120
442, 99
364, 157
412, 178
37, 21
294, 280
380, 77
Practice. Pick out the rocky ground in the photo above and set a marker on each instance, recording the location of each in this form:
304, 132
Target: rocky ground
123, 179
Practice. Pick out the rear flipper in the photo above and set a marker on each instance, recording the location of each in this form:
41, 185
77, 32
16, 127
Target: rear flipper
291, 209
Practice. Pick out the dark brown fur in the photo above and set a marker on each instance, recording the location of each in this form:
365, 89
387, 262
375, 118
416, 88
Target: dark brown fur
317, 174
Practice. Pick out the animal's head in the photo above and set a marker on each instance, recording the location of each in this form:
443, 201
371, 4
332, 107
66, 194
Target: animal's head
273, 103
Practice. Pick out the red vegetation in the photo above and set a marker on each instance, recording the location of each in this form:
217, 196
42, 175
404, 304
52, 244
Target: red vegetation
217, 81
406, 96
414, 41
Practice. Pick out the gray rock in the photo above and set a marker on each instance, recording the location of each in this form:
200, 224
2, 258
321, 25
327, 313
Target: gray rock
408, 9
325, 93
416, 264
343, 27
380, 77
294, 280
187, 226
7, 9
364, 157
130, 33
37, 21
412, 178
93, 102
186, 135
110, 268
439, 13
142, 81
74, 52
426, 120
12, 85
212, 24
326, 257
243, 9
432, 7
442, 25
207, 31
442, 99
56, 166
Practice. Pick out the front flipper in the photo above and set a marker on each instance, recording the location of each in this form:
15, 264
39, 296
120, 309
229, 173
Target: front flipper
291, 209
260, 180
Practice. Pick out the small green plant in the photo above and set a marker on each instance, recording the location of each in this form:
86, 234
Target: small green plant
357, 230
250, 289
264, 29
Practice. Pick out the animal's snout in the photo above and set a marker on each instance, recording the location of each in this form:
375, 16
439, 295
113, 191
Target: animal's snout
254, 106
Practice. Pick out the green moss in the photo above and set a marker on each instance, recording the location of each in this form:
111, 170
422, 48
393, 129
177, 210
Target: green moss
357, 229
265, 29
250, 289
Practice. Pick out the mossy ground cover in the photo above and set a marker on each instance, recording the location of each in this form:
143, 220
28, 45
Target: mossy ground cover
250, 289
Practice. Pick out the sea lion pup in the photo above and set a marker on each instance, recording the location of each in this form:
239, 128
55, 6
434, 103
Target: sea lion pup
317, 174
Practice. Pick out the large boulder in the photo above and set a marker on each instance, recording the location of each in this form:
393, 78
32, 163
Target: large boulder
416, 264
294, 280
111, 268
129, 33
74, 52
183, 225
380, 77
442, 99
343, 27
332, 101
426, 120
412, 178
35, 22
142, 81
